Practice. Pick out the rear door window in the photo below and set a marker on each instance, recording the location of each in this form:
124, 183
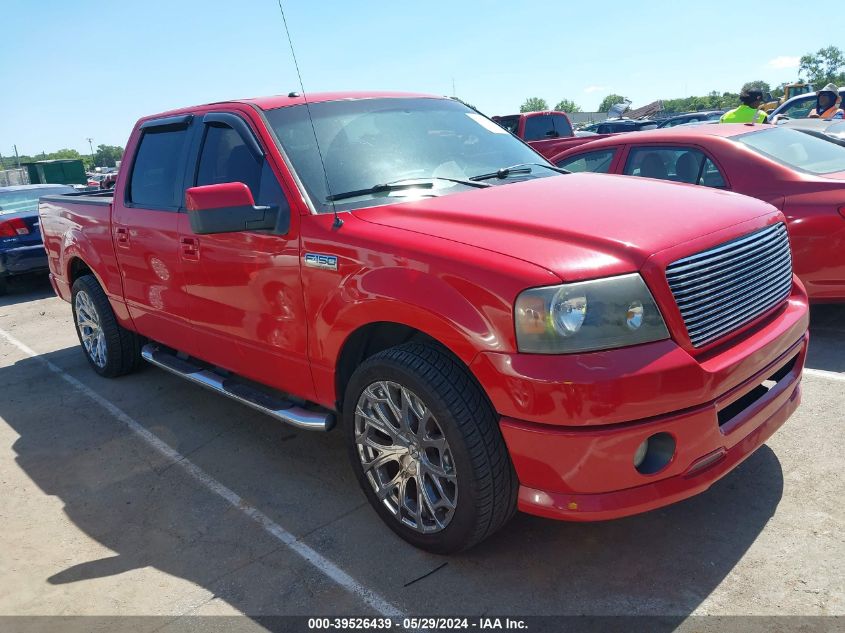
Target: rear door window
539, 127
678, 164
158, 169
598, 161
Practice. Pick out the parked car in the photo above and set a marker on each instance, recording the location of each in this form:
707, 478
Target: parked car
691, 117
549, 133
617, 126
94, 180
800, 174
490, 335
21, 250
833, 129
797, 107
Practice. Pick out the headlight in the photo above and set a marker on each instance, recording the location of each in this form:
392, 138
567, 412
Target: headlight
587, 315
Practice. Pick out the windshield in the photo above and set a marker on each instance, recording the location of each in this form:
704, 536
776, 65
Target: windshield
794, 149
370, 142
26, 200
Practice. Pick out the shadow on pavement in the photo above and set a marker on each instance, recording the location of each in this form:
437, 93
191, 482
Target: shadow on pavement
26, 288
827, 337
121, 493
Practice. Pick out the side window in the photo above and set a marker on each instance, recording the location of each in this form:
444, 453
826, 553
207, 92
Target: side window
562, 126
711, 176
800, 109
156, 174
225, 157
539, 127
510, 123
598, 162
678, 164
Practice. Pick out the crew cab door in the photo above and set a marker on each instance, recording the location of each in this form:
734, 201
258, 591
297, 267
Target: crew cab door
145, 233
244, 287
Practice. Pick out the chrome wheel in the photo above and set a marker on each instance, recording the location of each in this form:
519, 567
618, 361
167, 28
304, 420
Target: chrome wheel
90, 330
405, 456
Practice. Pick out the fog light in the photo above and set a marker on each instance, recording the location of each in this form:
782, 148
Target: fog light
658, 451
639, 456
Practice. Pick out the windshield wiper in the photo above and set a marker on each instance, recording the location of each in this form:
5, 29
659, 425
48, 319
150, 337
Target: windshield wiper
520, 168
400, 185
386, 187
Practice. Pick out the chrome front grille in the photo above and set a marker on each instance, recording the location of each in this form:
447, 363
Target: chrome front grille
722, 289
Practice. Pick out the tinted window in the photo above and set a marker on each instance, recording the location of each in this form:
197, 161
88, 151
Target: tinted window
562, 126
156, 177
225, 157
539, 127
598, 162
510, 123
365, 142
796, 150
678, 164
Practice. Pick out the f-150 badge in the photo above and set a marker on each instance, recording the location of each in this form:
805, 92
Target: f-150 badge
318, 260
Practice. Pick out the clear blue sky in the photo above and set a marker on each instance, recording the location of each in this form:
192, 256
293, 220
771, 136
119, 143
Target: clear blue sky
74, 69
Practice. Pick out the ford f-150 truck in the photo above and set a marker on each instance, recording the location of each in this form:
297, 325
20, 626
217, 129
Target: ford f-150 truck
488, 333
549, 133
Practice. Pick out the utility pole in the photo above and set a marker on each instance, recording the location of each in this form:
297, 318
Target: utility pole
91, 145
17, 158
453, 87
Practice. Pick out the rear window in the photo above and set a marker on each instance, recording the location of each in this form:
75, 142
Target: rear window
155, 173
562, 126
26, 200
598, 161
539, 127
794, 149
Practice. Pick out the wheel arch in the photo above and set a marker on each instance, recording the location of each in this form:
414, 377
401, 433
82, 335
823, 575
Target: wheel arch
371, 338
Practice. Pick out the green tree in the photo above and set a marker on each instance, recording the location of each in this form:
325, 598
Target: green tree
107, 155
63, 154
534, 104
823, 67
609, 101
567, 105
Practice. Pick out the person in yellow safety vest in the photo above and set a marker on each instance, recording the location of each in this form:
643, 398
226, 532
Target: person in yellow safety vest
827, 104
748, 112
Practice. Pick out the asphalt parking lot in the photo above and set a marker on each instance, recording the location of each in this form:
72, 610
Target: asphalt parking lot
146, 495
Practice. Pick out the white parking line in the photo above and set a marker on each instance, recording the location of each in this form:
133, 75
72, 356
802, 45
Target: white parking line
822, 373
317, 560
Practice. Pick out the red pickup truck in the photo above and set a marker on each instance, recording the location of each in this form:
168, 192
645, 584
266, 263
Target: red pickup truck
489, 334
549, 133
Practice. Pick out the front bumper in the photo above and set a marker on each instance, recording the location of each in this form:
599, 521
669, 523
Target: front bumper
23, 259
574, 453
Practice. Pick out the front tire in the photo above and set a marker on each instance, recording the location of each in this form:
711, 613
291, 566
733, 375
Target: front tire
111, 349
426, 448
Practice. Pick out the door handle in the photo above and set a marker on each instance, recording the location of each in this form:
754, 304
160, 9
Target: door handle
190, 247
122, 234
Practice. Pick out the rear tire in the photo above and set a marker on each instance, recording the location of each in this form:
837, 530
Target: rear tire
414, 414
110, 349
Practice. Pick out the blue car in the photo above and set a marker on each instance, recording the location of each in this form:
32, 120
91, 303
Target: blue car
21, 248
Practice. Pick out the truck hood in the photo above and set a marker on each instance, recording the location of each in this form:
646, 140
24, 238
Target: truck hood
578, 226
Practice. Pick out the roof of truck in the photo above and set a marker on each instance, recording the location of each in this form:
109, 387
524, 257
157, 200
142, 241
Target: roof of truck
280, 101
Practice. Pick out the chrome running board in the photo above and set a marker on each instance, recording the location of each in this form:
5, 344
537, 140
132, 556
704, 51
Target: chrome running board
274, 406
